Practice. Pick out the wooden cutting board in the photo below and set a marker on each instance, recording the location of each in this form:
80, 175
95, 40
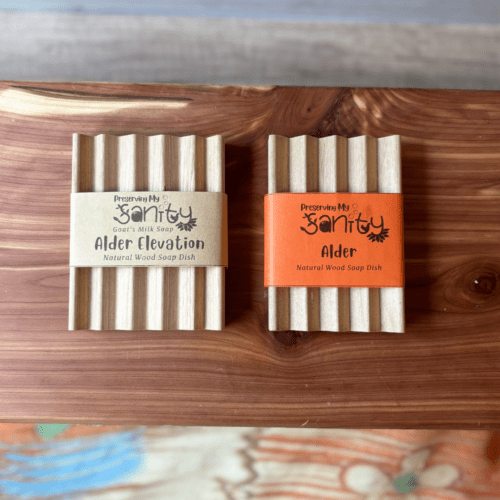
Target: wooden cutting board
444, 372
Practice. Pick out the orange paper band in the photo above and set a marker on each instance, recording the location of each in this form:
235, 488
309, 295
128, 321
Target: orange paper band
333, 240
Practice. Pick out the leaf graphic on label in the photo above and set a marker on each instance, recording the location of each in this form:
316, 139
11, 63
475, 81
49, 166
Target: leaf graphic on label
187, 226
379, 238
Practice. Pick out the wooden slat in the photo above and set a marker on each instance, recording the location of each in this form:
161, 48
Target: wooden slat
109, 273
299, 177
215, 276
191, 308
124, 319
155, 279
278, 182
332, 164
140, 273
359, 166
79, 299
96, 273
392, 314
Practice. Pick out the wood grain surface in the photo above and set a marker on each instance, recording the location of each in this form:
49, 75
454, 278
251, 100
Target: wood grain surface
155, 49
442, 373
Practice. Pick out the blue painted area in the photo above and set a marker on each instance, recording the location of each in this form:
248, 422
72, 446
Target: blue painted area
66, 467
387, 11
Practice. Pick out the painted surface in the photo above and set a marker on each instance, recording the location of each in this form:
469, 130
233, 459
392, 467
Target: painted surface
65, 467
387, 11
99, 462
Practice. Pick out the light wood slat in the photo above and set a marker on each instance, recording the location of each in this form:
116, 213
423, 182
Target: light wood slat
73, 271
96, 273
332, 166
360, 181
155, 280
124, 319
79, 299
140, 279
215, 276
278, 182
303, 177
191, 308
392, 315
109, 273
200, 272
187, 278
298, 184
73, 291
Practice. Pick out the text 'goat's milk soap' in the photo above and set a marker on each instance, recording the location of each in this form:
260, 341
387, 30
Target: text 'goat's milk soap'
148, 243
334, 234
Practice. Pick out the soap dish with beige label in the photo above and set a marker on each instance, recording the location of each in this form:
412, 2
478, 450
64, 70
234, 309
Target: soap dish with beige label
148, 244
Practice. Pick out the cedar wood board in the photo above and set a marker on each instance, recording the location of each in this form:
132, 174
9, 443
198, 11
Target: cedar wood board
442, 373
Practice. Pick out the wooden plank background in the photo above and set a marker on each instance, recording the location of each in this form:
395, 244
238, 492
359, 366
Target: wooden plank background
146, 49
442, 373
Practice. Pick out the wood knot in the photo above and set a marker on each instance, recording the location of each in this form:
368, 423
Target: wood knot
483, 284
468, 287
289, 338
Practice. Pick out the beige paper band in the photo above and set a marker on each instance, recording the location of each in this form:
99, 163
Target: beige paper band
142, 228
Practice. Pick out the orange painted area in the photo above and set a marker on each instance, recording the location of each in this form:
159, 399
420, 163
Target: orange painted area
19, 434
